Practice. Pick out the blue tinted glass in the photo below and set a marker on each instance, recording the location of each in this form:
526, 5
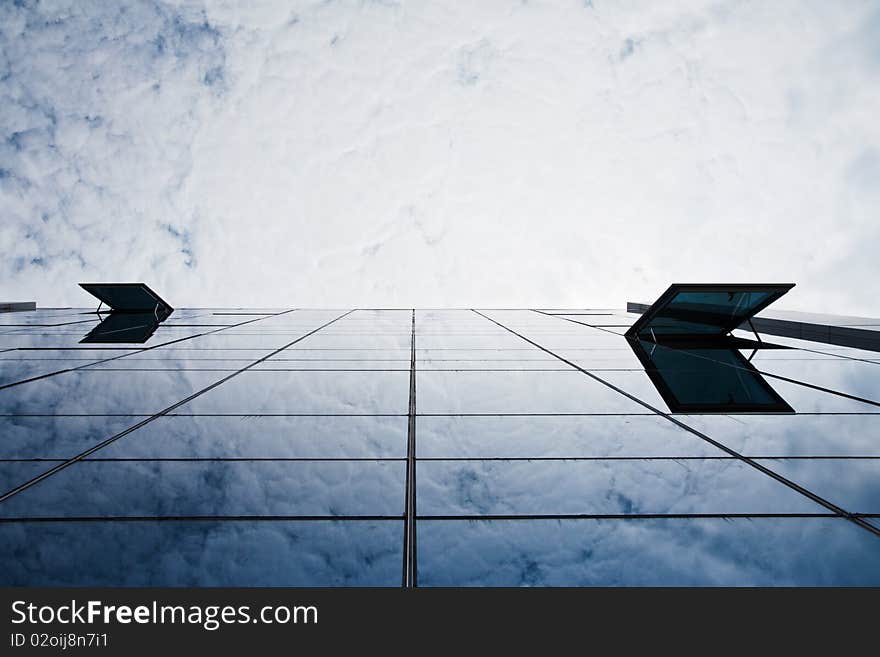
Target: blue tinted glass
12, 371
14, 474
57, 436
102, 392
853, 377
214, 488
793, 435
719, 486
223, 436
551, 436
236, 485
78, 353
347, 393
666, 552
853, 484
518, 392
228, 553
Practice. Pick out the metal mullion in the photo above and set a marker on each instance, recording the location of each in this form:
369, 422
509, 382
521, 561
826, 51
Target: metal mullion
629, 516
245, 459
433, 517
151, 459
196, 518
633, 458
285, 369
409, 578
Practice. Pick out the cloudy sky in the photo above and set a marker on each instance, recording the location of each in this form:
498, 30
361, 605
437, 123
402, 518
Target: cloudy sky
492, 153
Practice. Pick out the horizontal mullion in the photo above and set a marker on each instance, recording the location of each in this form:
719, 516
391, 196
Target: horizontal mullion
634, 516
262, 369
200, 459
475, 414
487, 517
194, 518
818, 457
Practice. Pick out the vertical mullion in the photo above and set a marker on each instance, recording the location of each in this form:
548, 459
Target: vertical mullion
410, 571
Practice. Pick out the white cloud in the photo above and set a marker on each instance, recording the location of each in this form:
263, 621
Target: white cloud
494, 154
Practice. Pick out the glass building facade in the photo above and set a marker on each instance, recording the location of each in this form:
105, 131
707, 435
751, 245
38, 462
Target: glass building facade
426, 447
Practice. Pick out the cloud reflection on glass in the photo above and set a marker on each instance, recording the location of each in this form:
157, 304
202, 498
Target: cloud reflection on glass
289, 467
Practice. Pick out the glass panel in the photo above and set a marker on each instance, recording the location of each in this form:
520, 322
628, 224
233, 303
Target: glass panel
174, 352
554, 365
103, 392
810, 400
794, 435
78, 355
558, 343
809, 345
339, 365
498, 340
556, 436
719, 486
323, 340
666, 552
853, 484
852, 377
210, 488
602, 359
758, 358
228, 553
346, 393
67, 340
46, 316
265, 341
518, 392
220, 436
57, 328
57, 436
305, 355
13, 371
164, 364
439, 356
14, 474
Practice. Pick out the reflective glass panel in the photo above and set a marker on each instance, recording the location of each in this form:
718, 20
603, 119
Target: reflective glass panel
218, 553
665, 552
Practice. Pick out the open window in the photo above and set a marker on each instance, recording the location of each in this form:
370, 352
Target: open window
128, 297
704, 311
684, 342
135, 312
707, 378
